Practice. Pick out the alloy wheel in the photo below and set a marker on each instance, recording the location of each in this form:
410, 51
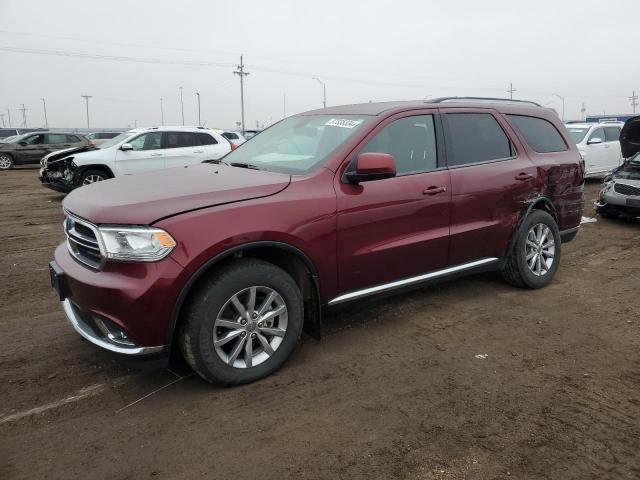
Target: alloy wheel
93, 178
5, 162
540, 249
250, 327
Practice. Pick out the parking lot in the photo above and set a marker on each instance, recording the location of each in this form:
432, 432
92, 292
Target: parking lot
470, 379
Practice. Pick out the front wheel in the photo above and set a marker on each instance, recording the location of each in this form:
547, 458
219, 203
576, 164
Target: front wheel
535, 256
242, 323
92, 176
6, 161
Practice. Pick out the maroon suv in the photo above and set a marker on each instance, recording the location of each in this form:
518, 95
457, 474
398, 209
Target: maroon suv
229, 260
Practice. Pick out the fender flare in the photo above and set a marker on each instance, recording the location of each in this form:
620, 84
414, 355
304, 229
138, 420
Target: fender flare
98, 166
188, 286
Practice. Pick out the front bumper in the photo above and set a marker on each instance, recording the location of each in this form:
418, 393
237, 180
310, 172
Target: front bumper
611, 202
57, 184
135, 299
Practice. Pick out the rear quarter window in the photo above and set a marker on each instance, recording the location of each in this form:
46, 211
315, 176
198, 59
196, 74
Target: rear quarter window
539, 133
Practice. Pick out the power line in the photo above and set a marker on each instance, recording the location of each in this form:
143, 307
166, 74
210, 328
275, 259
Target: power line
241, 73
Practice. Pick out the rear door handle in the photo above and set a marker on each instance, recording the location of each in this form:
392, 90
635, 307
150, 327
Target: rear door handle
156, 154
523, 176
198, 151
434, 190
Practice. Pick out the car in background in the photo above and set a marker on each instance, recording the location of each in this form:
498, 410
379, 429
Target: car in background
599, 145
228, 260
250, 133
620, 193
29, 148
8, 139
97, 138
236, 138
135, 151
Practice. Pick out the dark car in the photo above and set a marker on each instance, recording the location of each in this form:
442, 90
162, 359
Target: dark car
31, 147
620, 193
228, 260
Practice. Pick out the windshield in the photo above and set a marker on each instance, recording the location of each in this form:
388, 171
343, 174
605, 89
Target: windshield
296, 145
114, 140
577, 134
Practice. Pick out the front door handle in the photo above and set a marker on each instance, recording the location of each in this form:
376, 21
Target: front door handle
523, 176
198, 151
434, 190
156, 154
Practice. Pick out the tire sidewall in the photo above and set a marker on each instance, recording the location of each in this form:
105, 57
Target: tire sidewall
86, 173
530, 279
11, 162
215, 295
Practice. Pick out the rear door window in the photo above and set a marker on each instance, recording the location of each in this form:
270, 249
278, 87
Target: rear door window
411, 141
474, 138
72, 139
611, 134
539, 133
181, 139
206, 139
56, 138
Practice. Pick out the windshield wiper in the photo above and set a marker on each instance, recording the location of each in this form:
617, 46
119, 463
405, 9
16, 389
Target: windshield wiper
245, 165
216, 162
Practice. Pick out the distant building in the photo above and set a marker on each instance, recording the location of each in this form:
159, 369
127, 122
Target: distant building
623, 117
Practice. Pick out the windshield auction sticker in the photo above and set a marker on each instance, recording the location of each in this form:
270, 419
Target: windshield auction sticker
343, 123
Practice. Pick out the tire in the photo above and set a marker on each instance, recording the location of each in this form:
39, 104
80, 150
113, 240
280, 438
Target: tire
91, 176
517, 270
211, 318
6, 161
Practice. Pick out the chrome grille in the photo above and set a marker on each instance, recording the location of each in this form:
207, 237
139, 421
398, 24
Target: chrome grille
82, 241
624, 189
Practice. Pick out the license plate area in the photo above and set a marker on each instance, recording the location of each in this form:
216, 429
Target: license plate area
58, 280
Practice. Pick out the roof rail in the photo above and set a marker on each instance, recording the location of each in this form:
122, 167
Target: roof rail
480, 99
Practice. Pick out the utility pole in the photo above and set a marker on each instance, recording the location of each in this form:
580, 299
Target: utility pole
324, 92
583, 111
86, 101
181, 105
24, 115
511, 90
9, 117
561, 98
241, 73
161, 113
44, 106
2, 116
199, 122
634, 101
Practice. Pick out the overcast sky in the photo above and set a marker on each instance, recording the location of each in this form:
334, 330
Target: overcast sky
363, 50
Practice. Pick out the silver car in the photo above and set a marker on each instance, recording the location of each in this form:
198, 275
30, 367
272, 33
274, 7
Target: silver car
620, 193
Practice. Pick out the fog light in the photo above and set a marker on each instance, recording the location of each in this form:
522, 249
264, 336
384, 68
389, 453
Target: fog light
112, 332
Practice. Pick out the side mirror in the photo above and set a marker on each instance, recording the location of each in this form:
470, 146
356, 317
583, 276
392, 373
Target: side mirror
593, 141
126, 146
372, 166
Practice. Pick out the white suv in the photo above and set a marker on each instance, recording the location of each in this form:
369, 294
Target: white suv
599, 145
139, 150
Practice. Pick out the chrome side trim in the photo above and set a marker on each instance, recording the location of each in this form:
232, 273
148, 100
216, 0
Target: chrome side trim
89, 335
410, 281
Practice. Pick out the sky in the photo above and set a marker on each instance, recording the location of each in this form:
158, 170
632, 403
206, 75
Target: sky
128, 55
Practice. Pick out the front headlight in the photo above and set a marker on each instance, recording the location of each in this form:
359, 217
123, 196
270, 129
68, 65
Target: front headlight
136, 244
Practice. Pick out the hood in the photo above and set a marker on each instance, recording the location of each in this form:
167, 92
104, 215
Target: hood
630, 137
144, 198
59, 154
629, 170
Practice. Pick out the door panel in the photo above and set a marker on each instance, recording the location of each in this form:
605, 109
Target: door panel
146, 155
596, 154
488, 192
389, 229
183, 148
35, 149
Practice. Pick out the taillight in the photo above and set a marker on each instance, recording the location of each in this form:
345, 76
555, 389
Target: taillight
233, 146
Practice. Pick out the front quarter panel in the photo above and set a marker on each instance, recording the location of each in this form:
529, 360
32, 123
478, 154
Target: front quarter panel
302, 216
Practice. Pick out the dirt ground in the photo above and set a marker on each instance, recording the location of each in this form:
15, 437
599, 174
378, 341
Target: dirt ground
473, 379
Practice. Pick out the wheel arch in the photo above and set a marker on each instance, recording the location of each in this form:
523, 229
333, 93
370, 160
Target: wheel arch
291, 259
97, 166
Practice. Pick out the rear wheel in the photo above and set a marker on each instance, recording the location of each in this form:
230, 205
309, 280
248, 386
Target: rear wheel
92, 176
6, 161
242, 323
535, 256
